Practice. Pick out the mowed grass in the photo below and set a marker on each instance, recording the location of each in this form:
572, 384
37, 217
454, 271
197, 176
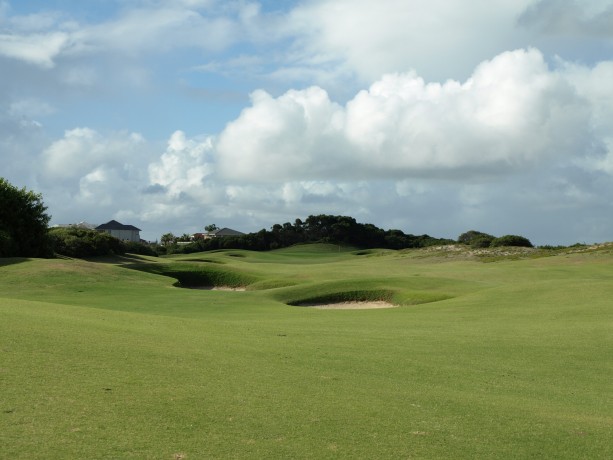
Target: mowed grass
110, 359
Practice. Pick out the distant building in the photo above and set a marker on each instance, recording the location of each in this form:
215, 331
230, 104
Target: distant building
120, 231
221, 232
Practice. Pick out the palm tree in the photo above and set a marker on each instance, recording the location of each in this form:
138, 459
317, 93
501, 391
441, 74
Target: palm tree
168, 239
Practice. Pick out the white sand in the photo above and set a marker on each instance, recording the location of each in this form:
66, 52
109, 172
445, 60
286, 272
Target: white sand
352, 305
218, 288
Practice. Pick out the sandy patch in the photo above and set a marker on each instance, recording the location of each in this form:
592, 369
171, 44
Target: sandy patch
218, 288
352, 305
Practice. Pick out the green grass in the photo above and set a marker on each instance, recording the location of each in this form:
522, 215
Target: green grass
109, 359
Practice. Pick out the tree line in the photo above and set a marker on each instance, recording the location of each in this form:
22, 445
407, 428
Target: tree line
24, 232
323, 228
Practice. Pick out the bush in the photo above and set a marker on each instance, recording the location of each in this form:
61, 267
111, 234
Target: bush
482, 241
81, 242
134, 247
511, 240
472, 236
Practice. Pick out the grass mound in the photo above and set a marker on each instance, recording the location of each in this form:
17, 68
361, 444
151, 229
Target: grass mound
192, 276
366, 290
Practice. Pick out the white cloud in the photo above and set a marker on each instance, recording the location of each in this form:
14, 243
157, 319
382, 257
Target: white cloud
295, 136
83, 150
184, 167
37, 49
42, 38
507, 117
374, 38
160, 29
180, 190
97, 187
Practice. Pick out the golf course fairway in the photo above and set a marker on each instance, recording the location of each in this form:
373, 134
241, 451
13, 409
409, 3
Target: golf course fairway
491, 355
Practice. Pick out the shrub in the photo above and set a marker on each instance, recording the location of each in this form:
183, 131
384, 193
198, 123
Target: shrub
134, 247
511, 240
481, 241
470, 236
80, 242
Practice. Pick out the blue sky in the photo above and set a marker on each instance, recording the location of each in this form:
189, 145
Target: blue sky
431, 116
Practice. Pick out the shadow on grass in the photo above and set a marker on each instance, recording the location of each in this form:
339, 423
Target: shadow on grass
190, 275
379, 295
125, 259
5, 261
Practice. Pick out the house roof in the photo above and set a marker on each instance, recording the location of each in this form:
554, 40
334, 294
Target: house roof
226, 232
114, 225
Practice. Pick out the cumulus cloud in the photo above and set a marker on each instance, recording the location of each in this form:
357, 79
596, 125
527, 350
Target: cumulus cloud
83, 150
295, 136
373, 38
183, 169
507, 117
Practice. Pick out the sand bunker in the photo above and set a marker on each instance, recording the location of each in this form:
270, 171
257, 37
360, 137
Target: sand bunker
351, 305
218, 288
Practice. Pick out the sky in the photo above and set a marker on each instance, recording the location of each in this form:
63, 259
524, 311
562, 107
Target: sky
428, 116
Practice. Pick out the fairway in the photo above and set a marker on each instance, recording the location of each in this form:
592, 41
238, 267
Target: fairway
493, 355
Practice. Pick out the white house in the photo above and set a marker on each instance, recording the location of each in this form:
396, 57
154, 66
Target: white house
120, 231
221, 232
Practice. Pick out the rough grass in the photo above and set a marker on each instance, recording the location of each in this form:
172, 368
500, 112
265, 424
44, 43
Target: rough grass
512, 361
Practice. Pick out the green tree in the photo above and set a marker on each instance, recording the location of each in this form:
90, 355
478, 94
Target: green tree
184, 238
168, 239
210, 228
512, 240
476, 239
23, 223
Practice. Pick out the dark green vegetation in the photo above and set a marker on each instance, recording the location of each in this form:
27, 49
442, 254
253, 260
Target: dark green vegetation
82, 243
23, 222
478, 240
507, 359
342, 230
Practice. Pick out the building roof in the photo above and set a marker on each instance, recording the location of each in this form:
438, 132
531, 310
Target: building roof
226, 232
114, 225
